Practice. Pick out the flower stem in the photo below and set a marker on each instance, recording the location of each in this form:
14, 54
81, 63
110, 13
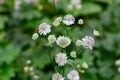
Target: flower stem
51, 60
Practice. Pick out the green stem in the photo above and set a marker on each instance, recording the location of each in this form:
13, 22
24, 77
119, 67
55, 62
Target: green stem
51, 60
54, 3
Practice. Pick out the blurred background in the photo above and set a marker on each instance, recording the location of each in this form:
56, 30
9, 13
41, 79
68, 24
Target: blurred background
20, 18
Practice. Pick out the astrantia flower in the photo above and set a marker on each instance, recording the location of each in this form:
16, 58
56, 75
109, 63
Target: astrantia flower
58, 19
85, 65
44, 29
118, 69
35, 36
57, 76
55, 23
73, 54
117, 62
79, 6
69, 19
61, 59
63, 41
51, 38
69, 6
78, 43
88, 42
96, 33
73, 75
75, 1
17, 4
80, 21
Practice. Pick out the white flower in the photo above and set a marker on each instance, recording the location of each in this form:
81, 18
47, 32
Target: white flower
44, 28
17, 4
58, 19
88, 42
75, 2
78, 43
35, 36
61, 59
51, 38
70, 6
96, 33
69, 19
80, 21
63, 41
57, 76
85, 65
117, 62
118, 69
35, 77
31, 68
73, 75
26, 69
78, 6
73, 54
55, 23
78, 66
28, 62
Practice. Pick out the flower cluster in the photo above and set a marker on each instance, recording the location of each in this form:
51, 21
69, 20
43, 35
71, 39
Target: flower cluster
29, 69
61, 59
117, 62
74, 3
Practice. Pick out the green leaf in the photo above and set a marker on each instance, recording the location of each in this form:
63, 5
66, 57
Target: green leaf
6, 72
9, 53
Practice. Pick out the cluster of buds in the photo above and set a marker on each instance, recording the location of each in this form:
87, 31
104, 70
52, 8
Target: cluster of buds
117, 62
29, 69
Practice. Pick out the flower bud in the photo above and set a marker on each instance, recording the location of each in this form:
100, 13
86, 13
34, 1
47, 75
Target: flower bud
35, 36
51, 38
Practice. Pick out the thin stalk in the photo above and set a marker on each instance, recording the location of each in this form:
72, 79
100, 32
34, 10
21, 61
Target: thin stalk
51, 60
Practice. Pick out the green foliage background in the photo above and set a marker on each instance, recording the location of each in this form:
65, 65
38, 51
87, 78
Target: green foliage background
17, 27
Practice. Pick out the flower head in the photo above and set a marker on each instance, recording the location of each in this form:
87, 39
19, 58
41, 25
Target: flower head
35, 36
88, 42
85, 65
44, 29
63, 41
55, 23
61, 59
78, 43
118, 69
96, 33
80, 21
73, 54
58, 19
69, 19
73, 75
51, 38
117, 62
75, 2
57, 76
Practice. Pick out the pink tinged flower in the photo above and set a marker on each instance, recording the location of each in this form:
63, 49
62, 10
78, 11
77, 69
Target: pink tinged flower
69, 20
61, 59
88, 42
57, 76
44, 29
73, 75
